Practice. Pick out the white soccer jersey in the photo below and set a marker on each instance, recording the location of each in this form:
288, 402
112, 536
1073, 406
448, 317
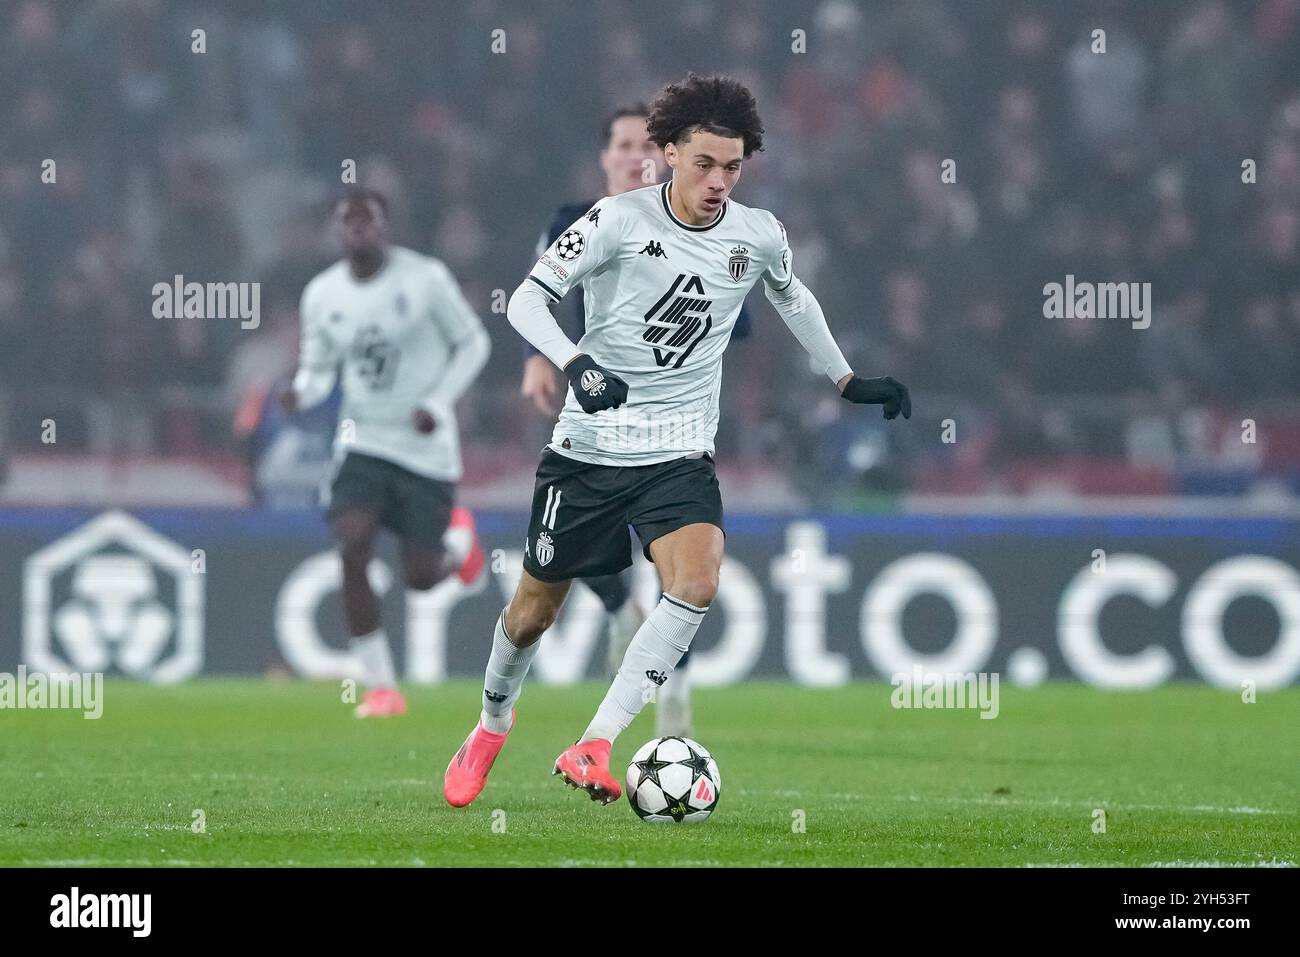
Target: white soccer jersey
406, 338
661, 300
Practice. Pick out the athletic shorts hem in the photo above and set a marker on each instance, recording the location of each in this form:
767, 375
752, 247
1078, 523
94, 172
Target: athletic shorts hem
667, 529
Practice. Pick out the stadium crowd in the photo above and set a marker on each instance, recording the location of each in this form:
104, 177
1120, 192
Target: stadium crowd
1122, 166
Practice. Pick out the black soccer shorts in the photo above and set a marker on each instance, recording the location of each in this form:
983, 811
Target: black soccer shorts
414, 507
581, 512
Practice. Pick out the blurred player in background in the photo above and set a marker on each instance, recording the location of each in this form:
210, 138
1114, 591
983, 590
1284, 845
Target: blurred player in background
409, 345
665, 270
630, 160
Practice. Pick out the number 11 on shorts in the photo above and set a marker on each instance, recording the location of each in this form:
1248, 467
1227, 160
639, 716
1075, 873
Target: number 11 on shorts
552, 505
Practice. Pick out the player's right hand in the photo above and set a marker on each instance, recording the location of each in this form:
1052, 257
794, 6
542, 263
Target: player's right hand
540, 386
595, 388
289, 400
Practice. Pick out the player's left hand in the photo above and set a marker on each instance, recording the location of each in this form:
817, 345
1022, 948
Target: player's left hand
423, 421
884, 390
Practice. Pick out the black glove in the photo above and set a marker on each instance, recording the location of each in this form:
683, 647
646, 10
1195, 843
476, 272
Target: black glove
885, 390
595, 388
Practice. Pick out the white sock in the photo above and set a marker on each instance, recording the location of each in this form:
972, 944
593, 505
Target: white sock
677, 689
655, 650
506, 668
376, 660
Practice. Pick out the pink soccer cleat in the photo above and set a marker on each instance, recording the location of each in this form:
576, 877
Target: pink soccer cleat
467, 773
475, 561
381, 703
586, 765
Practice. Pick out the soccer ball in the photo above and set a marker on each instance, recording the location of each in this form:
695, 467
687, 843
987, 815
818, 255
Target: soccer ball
673, 780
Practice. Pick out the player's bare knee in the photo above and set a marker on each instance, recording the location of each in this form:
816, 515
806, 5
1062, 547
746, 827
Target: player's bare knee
697, 588
528, 617
355, 552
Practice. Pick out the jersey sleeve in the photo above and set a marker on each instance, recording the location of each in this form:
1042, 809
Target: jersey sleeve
588, 244
467, 341
571, 316
452, 314
780, 265
319, 353
319, 350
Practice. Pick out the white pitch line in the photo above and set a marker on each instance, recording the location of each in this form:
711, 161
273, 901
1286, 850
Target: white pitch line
114, 862
1271, 863
1018, 802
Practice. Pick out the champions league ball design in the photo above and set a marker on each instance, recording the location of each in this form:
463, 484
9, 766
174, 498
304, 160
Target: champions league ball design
570, 246
673, 780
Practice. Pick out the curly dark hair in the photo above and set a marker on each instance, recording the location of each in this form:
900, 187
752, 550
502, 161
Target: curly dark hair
713, 104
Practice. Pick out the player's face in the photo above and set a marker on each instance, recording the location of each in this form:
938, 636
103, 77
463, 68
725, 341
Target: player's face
624, 158
361, 228
706, 168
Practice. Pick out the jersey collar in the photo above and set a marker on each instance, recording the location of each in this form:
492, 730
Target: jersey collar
663, 196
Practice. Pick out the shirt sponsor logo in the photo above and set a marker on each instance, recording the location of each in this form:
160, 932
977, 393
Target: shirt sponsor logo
553, 266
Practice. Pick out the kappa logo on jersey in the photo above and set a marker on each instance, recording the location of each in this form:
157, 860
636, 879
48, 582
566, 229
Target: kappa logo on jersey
593, 382
593, 217
677, 322
654, 250
570, 246
545, 549
739, 262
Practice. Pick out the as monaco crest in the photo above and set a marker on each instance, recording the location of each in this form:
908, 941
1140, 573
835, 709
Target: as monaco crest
739, 262
545, 549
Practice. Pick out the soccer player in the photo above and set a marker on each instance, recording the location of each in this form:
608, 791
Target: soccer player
664, 269
629, 161
409, 345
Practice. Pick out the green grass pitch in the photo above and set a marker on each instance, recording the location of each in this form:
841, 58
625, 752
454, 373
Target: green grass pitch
284, 775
